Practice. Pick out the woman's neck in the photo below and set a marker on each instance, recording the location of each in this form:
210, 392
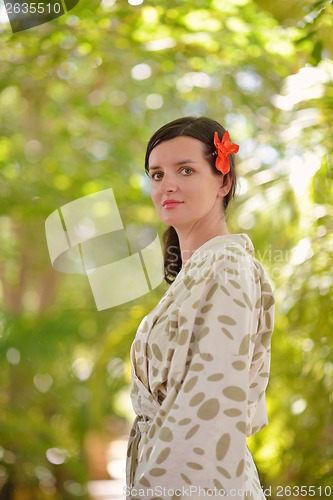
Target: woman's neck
190, 240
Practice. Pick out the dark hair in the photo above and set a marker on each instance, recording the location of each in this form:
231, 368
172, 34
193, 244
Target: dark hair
203, 129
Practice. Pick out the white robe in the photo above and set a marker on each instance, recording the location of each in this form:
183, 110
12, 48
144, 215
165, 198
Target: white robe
200, 363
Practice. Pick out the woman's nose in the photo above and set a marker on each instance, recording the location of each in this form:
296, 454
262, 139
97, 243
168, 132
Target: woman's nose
168, 185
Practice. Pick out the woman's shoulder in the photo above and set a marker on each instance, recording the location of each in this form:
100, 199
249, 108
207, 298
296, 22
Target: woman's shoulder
232, 247
221, 256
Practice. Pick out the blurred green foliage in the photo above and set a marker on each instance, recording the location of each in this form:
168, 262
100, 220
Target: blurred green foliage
79, 98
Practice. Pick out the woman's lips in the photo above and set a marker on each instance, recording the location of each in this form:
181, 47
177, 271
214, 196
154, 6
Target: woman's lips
171, 203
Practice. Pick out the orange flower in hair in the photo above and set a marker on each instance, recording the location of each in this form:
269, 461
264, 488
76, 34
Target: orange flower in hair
223, 149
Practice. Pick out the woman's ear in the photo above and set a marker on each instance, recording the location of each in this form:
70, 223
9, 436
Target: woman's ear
225, 185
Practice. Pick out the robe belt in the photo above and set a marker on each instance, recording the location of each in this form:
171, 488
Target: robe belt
142, 427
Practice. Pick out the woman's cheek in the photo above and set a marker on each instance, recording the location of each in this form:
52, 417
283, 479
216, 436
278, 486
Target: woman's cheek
156, 198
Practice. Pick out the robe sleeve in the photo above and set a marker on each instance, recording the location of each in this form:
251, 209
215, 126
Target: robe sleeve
216, 382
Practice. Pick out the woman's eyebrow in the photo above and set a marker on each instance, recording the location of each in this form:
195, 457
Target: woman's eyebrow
181, 162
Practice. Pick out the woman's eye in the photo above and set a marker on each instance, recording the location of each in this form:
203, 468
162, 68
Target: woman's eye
187, 171
157, 176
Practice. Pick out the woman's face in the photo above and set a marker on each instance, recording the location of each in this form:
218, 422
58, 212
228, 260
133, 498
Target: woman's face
184, 189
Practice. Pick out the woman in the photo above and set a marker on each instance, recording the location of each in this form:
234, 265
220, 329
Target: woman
201, 358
